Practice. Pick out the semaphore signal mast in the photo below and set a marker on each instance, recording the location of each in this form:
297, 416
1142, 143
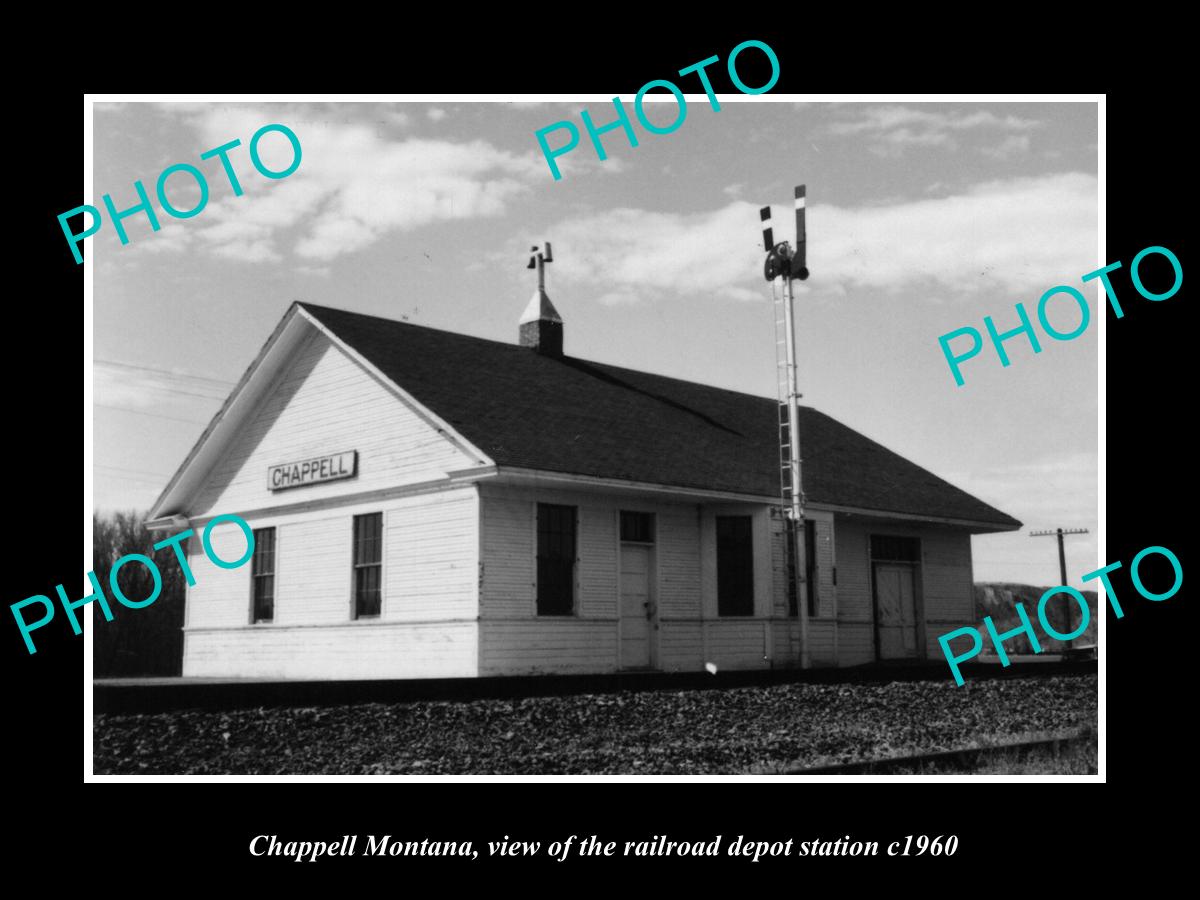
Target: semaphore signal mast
787, 263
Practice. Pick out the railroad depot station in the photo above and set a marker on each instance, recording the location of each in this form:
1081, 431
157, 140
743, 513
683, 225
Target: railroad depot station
429, 505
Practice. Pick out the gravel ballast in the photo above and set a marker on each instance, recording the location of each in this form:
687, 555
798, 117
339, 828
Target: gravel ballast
728, 731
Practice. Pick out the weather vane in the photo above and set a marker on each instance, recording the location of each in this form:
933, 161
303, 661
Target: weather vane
538, 260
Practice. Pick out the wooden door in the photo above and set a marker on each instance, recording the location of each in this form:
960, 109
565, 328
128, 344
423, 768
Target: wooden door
896, 611
637, 607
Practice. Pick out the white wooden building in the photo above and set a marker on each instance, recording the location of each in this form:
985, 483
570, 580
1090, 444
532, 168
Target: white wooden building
430, 505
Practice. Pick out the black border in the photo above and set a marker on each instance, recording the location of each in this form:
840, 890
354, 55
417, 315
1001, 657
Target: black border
1148, 440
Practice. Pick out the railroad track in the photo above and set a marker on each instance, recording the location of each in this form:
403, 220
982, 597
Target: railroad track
967, 756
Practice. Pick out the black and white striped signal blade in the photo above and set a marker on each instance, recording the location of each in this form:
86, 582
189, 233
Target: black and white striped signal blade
768, 232
800, 235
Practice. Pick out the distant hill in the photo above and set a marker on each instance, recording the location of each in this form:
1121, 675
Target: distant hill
999, 599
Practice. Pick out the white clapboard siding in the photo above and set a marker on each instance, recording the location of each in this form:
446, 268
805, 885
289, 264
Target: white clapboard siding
680, 646
947, 581
313, 579
821, 642
827, 592
429, 565
821, 648
220, 597
323, 403
678, 553
508, 575
786, 635
854, 572
597, 569
430, 577
547, 645
431, 556
736, 644
374, 650
855, 643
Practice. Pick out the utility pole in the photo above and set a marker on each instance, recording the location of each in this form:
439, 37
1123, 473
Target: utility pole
1062, 565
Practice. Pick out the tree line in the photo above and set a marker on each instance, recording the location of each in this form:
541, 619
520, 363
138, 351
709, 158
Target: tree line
147, 641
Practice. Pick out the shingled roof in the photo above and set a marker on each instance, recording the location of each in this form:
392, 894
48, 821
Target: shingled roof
528, 410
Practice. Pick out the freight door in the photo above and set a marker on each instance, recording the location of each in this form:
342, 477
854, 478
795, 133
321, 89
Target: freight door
895, 611
636, 607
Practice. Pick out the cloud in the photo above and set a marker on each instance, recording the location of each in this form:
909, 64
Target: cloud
618, 298
893, 130
1013, 145
876, 119
248, 251
353, 185
1022, 235
636, 253
1041, 492
173, 237
436, 114
1047, 492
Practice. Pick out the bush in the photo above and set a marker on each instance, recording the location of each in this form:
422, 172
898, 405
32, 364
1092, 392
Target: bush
146, 641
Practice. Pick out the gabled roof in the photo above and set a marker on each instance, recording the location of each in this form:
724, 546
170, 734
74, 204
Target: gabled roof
531, 411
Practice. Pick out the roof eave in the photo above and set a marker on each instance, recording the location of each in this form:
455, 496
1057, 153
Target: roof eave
979, 526
543, 477
519, 475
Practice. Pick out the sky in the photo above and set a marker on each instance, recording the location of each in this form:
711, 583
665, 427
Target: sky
922, 218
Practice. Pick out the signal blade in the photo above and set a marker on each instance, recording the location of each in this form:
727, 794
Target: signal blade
799, 257
768, 232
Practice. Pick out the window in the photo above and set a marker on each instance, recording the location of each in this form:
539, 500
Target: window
555, 560
368, 558
735, 567
262, 578
637, 527
810, 566
895, 549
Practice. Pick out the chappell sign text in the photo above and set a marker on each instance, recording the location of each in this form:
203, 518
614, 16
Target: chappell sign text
313, 471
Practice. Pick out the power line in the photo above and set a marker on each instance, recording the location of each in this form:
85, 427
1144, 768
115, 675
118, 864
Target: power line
166, 389
140, 412
221, 393
166, 372
132, 479
173, 389
131, 471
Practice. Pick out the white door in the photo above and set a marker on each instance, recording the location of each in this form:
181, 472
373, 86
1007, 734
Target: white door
895, 605
636, 607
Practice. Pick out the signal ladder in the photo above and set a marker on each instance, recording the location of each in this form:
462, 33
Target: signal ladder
786, 377
785, 370
785, 263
